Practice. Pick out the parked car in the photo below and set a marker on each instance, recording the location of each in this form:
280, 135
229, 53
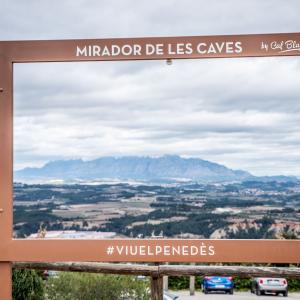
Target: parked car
168, 296
217, 283
49, 273
261, 286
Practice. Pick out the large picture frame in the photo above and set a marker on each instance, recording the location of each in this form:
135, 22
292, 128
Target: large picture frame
117, 250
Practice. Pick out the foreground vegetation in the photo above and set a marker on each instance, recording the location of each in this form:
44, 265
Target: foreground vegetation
29, 285
75, 286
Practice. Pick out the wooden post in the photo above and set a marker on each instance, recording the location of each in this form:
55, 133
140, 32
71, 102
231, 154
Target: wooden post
157, 285
156, 288
166, 283
192, 284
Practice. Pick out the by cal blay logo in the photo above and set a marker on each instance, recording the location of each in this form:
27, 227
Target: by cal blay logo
281, 46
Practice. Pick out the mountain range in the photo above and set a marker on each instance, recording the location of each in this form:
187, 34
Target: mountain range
167, 168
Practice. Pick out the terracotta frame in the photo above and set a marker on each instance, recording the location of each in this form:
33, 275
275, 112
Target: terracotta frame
261, 45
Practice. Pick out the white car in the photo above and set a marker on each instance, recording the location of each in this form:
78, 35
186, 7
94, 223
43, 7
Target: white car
168, 296
262, 285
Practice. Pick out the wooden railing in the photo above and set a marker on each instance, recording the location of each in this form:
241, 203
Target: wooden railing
157, 272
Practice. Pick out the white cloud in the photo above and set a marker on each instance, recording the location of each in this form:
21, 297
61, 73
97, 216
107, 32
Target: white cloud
240, 112
218, 110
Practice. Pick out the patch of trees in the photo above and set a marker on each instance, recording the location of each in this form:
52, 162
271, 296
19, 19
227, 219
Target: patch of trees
199, 224
28, 284
174, 207
34, 195
28, 219
120, 224
231, 202
34, 216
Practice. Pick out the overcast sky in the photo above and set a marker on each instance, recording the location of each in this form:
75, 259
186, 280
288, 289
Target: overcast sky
244, 113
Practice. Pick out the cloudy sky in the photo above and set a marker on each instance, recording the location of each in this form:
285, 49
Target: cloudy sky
244, 113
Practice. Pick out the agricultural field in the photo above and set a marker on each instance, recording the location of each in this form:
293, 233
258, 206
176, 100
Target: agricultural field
233, 210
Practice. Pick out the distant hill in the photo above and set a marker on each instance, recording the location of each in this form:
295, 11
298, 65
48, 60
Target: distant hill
156, 169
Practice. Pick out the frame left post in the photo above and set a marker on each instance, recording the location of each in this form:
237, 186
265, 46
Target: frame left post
6, 169
6, 280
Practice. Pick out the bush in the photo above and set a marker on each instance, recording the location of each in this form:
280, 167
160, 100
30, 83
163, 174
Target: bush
183, 282
27, 284
242, 284
78, 286
179, 283
294, 285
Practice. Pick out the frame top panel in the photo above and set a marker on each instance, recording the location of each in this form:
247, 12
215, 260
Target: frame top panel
153, 48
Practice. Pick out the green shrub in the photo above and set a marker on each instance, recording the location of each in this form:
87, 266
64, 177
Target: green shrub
78, 286
183, 282
242, 284
27, 284
179, 283
294, 285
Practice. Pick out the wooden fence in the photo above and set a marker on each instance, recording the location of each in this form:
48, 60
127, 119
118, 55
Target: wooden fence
157, 272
